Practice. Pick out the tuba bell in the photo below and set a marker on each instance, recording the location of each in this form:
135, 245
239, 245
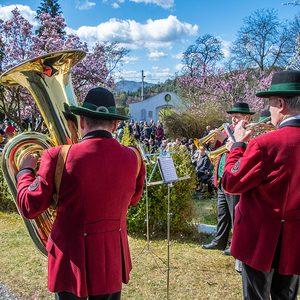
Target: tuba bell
48, 79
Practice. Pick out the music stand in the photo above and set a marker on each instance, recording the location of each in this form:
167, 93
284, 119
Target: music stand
147, 161
167, 169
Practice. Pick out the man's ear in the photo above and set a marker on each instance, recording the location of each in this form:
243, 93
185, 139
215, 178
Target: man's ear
115, 125
281, 105
81, 122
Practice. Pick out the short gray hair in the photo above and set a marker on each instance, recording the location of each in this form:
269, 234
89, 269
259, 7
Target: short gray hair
94, 122
293, 103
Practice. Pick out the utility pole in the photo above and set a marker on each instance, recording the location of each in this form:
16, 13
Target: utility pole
143, 85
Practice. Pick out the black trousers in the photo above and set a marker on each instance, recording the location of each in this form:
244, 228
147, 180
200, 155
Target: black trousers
70, 296
259, 285
226, 212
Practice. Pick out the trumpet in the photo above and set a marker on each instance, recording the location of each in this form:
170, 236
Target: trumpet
199, 143
260, 128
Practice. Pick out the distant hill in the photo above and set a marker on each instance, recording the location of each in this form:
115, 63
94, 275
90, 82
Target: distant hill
123, 98
131, 86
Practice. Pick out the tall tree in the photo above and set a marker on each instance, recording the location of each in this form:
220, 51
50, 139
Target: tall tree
295, 60
217, 90
18, 43
263, 41
52, 8
205, 52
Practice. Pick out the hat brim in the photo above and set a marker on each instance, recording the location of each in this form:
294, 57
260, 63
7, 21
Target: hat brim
268, 94
81, 111
262, 118
241, 112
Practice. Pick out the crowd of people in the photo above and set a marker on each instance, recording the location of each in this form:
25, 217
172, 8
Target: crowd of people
151, 139
9, 128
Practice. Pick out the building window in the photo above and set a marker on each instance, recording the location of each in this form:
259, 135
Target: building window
150, 114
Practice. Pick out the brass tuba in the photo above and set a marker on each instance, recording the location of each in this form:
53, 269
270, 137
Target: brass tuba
48, 79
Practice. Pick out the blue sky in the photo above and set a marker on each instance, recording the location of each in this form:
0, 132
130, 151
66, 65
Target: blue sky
156, 31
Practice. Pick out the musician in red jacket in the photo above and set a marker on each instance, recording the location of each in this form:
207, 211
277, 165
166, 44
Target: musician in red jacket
88, 252
267, 175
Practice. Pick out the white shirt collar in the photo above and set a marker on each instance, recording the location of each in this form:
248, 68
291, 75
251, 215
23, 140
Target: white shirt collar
290, 118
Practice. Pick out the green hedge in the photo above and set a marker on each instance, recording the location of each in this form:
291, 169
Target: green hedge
6, 202
181, 206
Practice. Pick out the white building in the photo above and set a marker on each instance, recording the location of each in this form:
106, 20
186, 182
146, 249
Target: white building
148, 110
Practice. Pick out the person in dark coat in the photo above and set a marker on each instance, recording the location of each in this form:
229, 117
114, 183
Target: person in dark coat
159, 132
88, 252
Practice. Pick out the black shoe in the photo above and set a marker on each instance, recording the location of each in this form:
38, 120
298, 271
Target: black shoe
227, 252
210, 246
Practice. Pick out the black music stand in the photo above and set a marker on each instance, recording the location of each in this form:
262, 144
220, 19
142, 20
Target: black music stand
168, 173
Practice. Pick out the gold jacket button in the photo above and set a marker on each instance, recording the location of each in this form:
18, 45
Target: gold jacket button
84, 234
282, 221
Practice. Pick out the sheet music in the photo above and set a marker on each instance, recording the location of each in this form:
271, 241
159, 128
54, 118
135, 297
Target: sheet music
167, 168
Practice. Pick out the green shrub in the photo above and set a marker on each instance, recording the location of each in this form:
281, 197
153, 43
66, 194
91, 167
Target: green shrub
185, 123
181, 205
6, 202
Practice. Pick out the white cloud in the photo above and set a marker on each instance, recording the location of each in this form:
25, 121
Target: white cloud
225, 48
163, 3
152, 77
130, 59
156, 55
179, 67
158, 69
178, 56
166, 4
115, 5
161, 33
84, 5
25, 11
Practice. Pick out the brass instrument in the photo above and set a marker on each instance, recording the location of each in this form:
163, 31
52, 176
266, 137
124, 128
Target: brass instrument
260, 128
48, 79
199, 143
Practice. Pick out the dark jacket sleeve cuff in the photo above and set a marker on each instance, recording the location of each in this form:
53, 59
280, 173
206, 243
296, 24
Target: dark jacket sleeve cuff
26, 170
225, 141
239, 144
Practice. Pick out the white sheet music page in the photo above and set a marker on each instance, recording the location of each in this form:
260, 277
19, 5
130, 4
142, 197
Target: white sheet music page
167, 168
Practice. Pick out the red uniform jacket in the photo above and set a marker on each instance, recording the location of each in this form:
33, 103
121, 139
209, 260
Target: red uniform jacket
88, 250
9, 129
267, 175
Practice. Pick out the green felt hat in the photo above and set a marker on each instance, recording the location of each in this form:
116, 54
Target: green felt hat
285, 83
99, 103
264, 114
241, 107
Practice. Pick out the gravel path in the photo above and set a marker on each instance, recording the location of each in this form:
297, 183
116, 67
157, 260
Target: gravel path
6, 293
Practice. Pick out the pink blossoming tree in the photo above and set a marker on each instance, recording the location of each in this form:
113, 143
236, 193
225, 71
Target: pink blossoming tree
20, 44
216, 90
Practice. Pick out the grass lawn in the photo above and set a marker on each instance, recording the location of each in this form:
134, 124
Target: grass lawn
195, 273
